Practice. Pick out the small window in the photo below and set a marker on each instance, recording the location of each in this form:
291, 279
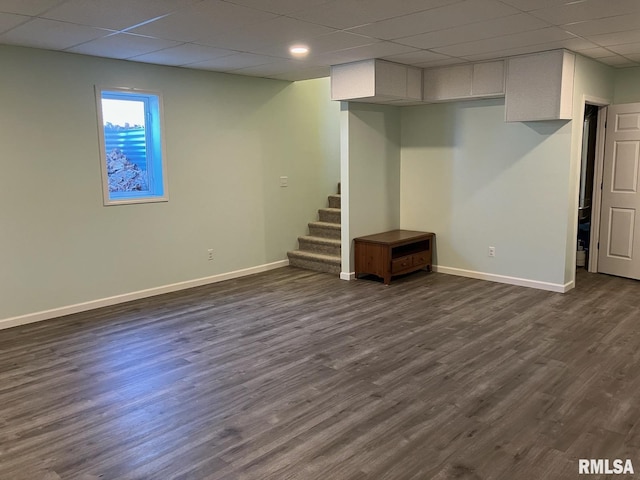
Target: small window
131, 146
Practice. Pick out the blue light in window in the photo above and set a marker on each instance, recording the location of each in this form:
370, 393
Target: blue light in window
133, 167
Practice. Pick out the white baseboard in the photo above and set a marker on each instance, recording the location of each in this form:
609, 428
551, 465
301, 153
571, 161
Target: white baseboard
127, 297
521, 282
347, 276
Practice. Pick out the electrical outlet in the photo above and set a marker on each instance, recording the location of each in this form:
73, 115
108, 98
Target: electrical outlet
210, 253
284, 181
492, 251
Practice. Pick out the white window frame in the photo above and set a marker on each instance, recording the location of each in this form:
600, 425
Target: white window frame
158, 189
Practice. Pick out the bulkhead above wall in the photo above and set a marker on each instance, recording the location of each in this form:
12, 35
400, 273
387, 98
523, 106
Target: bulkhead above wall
536, 87
377, 81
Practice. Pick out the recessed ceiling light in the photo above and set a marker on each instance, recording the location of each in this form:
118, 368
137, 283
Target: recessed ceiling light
299, 50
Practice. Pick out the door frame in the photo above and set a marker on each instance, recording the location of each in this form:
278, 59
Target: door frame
598, 171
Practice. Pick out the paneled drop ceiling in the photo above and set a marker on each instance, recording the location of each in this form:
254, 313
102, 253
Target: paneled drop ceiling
252, 37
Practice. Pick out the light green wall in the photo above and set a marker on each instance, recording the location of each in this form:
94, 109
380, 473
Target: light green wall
228, 139
477, 181
627, 85
370, 173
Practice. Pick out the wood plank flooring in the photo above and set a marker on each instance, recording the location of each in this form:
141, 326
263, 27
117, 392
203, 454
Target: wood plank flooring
293, 374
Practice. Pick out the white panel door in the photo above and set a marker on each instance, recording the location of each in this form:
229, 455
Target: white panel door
619, 252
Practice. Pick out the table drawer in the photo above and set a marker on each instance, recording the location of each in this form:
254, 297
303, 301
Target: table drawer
402, 263
422, 259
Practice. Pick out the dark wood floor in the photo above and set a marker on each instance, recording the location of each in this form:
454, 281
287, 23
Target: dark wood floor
292, 374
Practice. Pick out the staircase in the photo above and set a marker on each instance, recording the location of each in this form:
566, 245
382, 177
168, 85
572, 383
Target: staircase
320, 250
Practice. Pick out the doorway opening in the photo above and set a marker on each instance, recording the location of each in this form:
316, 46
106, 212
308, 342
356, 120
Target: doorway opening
587, 176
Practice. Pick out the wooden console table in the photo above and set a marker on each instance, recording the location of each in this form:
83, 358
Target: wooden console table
393, 253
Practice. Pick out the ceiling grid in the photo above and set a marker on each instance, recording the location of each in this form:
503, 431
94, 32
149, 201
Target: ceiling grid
252, 37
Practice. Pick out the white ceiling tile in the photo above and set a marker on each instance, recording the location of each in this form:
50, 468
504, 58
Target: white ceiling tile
28, 7
281, 7
634, 58
575, 44
304, 74
618, 38
597, 52
419, 56
9, 21
339, 41
285, 70
234, 62
620, 23
122, 45
334, 58
183, 54
569, 44
329, 42
278, 31
203, 20
475, 31
351, 13
587, 10
397, 27
528, 5
617, 61
524, 39
441, 63
438, 19
375, 50
626, 48
481, 57
50, 34
268, 69
114, 14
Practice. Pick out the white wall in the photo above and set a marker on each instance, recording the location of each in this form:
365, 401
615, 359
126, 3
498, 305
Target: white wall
477, 181
228, 138
370, 173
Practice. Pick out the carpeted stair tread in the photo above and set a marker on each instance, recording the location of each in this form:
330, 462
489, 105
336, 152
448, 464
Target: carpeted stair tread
315, 265
321, 244
322, 240
320, 224
331, 215
325, 230
316, 256
315, 261
335, 201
